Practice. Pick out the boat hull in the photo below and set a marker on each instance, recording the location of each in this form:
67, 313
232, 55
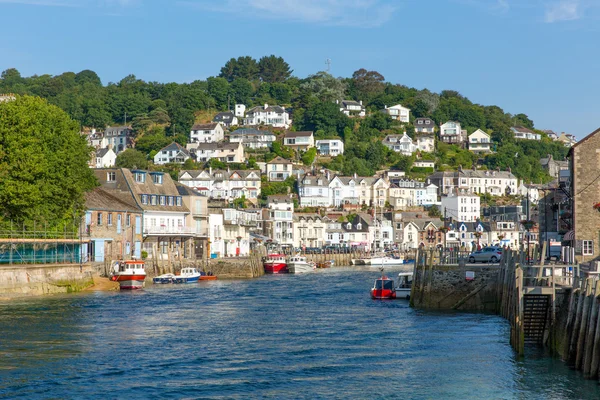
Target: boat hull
208, 278
131, 283
163, 279
299, 268
403, 294
275, 268
186, 279
383, 294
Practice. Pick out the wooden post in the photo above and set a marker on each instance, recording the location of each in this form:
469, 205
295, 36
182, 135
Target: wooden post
580, 325
589, 341
521, 338
570, 321
169, 255
571, 356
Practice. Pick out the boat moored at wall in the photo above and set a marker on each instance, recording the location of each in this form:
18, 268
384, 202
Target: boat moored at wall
130, 274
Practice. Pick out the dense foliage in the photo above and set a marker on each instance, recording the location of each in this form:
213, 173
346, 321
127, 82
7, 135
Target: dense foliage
164, 112
43, 164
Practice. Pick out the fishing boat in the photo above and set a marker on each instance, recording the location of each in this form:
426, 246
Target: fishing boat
275, 264
163, 279
298, 265
404, 285
187, 275
208, 276
130, 274
325, 264
383, 289
384, 261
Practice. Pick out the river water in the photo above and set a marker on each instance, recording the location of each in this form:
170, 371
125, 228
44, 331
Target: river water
317, 335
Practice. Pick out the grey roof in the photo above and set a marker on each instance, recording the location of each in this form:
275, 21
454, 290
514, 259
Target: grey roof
175, 147
290, 134
102, 152
205, 127
279, 198
226, 117
114, 130
276, 109
279, 160
215, 146
101, 199
186, 190
521, 129
225, 174
347, 103
423, 122
315, 179
251, 132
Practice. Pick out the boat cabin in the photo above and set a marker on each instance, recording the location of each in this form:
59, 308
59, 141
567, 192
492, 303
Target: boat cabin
128, 266
297, 259
384, 283
188, 271
405, 280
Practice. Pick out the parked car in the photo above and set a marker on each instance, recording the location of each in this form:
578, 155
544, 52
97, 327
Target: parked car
489, 254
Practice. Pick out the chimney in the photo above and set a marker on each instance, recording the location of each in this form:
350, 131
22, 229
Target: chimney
355, 176
460, 168
210, 170
337, 102
360, 102
509, 170
266, 106
385, 107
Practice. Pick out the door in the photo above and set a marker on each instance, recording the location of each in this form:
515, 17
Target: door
138, 250
99, 250
138, 225
119, 224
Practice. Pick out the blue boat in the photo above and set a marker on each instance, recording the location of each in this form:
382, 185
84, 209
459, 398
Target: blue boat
163, 279
188, 275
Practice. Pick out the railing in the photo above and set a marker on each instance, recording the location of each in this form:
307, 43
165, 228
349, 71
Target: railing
169, 230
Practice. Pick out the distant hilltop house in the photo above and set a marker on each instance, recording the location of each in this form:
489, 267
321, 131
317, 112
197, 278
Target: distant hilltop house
400, 144
225, 152
424, 125
275, 116
553, 167
398, 113
302, 140
452, 133
520, 132
7, 97
330, 147
119, 137
226, 118
104, 158
207, 133
278, 169
173, 153
426, 142
567, 139
480, 142
252, 138
424, 164
551, 134
352, 108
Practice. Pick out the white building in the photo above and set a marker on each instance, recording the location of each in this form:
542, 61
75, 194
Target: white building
221, 184
173, 153
302, 140
207, 133
424, 125
462, 206
237, 225
310, 230
400, 144
226, 118
336, 235
278, 169
352, 108
216, 233
225, 152
240, 110
252, 138
275, 116
480, 142
452, 133
104, 158
426, 142
398, 112
314, 191
526, 134
330, 147
496, 183
279, 223
424, 164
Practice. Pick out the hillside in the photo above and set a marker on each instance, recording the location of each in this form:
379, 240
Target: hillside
163, 112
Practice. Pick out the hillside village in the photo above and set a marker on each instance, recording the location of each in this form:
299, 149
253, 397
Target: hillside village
337, 163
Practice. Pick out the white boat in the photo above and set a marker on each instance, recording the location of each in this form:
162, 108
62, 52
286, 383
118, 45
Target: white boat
298, 265
187, 275
130, 274
384, 261
164, 278
404, 285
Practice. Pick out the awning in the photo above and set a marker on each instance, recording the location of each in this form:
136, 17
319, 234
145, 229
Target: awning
569, 236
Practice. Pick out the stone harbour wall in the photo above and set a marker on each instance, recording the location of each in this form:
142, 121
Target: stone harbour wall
35, 280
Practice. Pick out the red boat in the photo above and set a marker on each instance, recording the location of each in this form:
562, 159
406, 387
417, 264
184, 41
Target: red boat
275, 264
130, 274
383, 289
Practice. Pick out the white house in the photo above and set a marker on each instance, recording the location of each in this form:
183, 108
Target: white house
278, 169
352, 108
331, 147
424, 125
426, 196
207, 133
314, 191
451, 132
279, 221
336, 235
216, 234
237, 225
480, 142
173, 153
398, 112
252, 138
520, 132
225, 152
221, 184
462, 206
496, 183
310, 230
302, 140
240, 110
226, 118
104, 158
400, 144
426, 142
424, 164
275, 116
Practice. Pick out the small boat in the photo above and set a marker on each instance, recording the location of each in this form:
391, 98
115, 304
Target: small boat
275, 264
404, 285
325, 264
187, 275
383, 288
384, 261
207, 276
164, 278
131, 274
298, 265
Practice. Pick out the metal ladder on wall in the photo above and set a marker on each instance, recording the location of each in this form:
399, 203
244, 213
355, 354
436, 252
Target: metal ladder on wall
535, 316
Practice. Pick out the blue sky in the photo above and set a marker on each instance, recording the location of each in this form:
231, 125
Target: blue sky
538, 57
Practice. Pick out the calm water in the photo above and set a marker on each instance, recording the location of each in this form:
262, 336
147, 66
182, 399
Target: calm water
312, 336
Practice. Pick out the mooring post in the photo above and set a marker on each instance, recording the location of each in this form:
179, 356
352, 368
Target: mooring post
589, 341
572, 354
583, 324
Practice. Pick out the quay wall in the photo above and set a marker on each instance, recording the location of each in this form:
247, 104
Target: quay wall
35, 280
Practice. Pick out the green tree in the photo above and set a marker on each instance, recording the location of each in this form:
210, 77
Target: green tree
218, 89
244, 67
273, 69
132, 158
309, 156
241, 91
324, 116
366, 85
43, 163
88, 76
323, 87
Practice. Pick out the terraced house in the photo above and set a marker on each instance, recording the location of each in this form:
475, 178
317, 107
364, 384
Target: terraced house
223, 184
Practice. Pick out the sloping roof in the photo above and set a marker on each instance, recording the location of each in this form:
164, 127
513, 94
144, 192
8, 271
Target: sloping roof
290, 134
166, 188
186, 190
279, 198
215, 146
104, 200
347, 103
423, 122
251, 132
175, 147
226, 117
205, 127
102, 152
521, 129
225, 174
276, 109
279, 160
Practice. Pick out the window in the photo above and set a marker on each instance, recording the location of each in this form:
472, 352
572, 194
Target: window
178, 201
99, 218
588, 247
140, 177
128, 220
109, 219
348, 225
157, 179
162, 200
170, 200
144, 199
359, 226
110, 177
153, 200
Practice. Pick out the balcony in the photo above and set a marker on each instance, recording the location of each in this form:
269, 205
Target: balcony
172, 231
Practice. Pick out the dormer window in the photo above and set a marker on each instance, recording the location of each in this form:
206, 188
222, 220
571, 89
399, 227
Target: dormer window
153, 200
157, 179
359, 226
110, 177
144, 199
140, 177
348, 225
178, 201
